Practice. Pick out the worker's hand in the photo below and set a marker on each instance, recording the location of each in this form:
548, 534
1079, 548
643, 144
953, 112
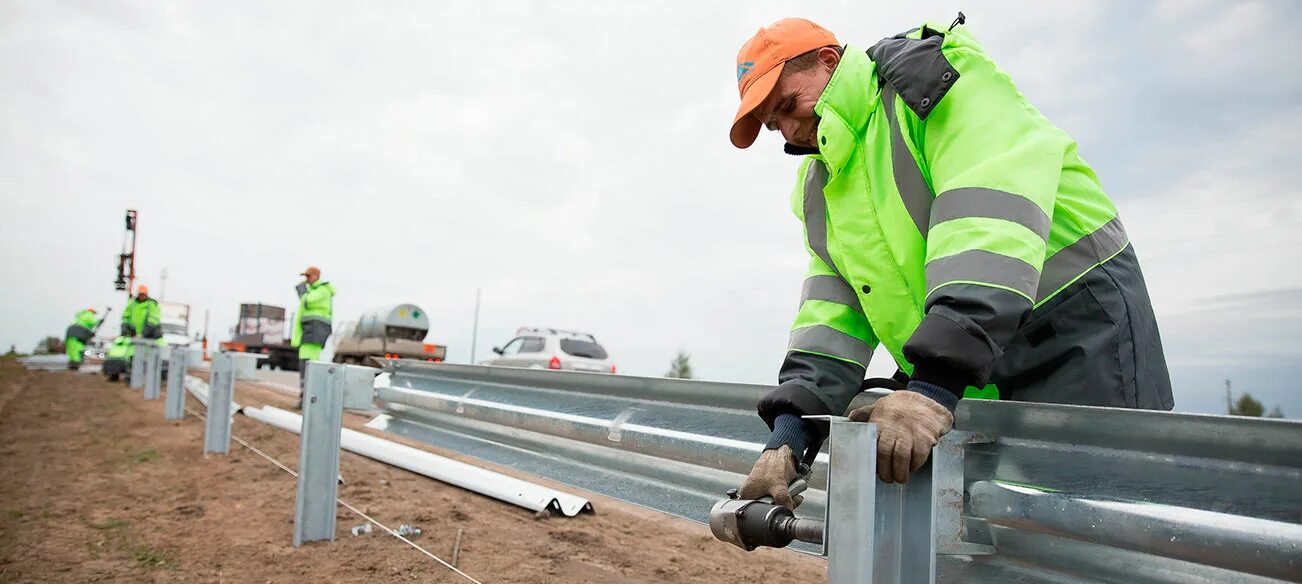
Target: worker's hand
908, 425
770, 476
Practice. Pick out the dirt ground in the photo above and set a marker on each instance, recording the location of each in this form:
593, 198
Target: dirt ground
95, 486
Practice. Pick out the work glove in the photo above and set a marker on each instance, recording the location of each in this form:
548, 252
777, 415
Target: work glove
774, 470
128, 330
908, 425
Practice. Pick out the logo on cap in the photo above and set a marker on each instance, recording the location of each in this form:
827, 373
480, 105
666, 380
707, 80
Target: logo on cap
743, 69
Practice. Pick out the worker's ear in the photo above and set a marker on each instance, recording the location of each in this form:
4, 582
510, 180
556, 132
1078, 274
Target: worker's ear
829, 57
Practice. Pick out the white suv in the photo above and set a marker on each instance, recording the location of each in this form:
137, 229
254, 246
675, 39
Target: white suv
547, 348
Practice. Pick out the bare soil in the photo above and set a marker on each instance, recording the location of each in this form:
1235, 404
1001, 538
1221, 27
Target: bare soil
95, 486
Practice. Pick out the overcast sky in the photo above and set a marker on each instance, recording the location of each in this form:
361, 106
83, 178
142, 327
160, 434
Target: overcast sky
571, 159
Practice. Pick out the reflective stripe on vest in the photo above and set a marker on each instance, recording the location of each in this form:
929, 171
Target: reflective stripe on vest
1073, 261
914, 190
816, 206
826, 340
829, 289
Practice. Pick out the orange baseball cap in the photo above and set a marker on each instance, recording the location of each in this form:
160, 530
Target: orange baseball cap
142, 289
759, 64
313, 270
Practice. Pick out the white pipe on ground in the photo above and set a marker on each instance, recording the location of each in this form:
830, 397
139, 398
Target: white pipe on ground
485, 482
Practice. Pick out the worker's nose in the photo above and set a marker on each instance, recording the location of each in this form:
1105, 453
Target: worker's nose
788, 127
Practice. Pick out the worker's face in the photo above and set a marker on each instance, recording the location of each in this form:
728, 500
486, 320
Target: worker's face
311, 277
789, 108
141, 296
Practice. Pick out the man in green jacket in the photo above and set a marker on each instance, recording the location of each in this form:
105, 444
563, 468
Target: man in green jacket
117, 359
311, 322
947, 220
79, 333
142, 317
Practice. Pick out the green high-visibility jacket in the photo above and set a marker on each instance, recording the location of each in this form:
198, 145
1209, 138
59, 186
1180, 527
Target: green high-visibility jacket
143, 317
313, 319
940, 209
120, 348
83, 326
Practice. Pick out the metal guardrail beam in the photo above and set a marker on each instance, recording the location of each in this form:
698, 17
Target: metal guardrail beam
669, 443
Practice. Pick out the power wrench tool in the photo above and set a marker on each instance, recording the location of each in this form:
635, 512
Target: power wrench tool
751, 523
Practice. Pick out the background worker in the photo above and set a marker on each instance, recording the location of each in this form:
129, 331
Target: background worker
948, 220
311, 322
117, 359
142, 317
79, 333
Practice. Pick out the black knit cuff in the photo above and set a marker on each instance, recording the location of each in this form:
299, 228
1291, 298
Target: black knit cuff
791, 430
941, 395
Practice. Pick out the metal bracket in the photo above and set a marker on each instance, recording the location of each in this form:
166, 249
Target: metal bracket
358, 386
879, 533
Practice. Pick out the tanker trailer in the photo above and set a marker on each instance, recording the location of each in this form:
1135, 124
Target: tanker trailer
389, 332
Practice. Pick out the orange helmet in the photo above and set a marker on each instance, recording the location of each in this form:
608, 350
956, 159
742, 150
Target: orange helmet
91, 309
142, 289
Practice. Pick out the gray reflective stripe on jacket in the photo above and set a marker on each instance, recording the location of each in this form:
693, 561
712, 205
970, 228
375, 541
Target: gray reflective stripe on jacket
816, 206
825, 340
830, 289
1073, 261
914, 190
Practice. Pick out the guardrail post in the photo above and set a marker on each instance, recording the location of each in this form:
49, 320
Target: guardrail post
318, 460
153, 372
851, 503
221, 394
177, 363
879, 533
136, 378
221, 390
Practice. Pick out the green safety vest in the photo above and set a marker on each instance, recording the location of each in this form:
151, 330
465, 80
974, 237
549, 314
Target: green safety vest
314, 305
142, 314
940, 205
83, 326
121, 348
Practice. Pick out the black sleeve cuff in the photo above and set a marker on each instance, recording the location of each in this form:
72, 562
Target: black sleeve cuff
945, 353
943, 396
791, 430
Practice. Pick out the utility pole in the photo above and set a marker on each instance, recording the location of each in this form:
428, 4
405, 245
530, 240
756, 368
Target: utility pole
127, 259
1229, 403
474, 335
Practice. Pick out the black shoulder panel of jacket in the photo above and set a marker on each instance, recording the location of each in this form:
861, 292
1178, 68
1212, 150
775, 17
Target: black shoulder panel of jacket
811, 385
916, 69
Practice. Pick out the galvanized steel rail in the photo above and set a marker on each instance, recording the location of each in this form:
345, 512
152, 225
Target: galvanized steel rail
1059, 493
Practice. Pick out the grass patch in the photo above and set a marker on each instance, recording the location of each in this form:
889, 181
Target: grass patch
149, 557
110, 523
146, 455
14, 514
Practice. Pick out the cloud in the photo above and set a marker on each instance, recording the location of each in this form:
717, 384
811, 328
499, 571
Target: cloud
569, 159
